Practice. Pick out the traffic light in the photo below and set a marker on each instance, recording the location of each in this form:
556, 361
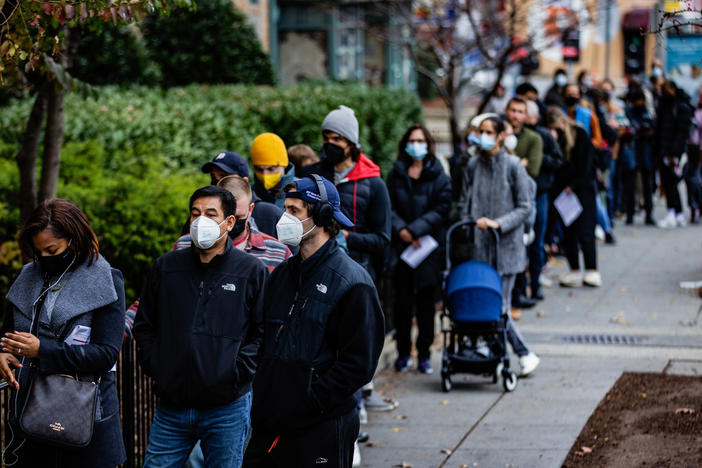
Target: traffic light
634, 52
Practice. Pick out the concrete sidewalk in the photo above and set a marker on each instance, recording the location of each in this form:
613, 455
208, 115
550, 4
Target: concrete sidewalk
476, 424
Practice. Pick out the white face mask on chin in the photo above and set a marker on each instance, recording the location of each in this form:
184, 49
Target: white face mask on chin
290, 230
205, 232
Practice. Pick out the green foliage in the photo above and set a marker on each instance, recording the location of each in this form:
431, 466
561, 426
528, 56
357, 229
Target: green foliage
213, 43
112, 54
132, 157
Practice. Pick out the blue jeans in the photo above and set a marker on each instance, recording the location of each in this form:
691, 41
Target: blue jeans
537, 258
222, 432
602, 216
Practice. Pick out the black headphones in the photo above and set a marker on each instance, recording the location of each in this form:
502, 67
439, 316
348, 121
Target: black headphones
322, 212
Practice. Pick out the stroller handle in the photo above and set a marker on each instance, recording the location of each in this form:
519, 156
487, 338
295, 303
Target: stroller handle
465, 223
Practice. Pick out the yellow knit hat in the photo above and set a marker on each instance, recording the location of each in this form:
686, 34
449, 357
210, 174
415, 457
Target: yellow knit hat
268, 149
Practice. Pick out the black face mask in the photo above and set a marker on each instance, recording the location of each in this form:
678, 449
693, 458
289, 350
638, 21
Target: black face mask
54, 265
570, 101
333, 153
238, 228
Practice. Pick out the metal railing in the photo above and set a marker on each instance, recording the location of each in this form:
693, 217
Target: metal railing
137, 404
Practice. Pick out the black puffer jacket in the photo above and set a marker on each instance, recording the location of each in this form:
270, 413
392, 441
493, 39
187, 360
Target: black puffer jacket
324, 330
673, 123
421, 206
551, 162
365, 201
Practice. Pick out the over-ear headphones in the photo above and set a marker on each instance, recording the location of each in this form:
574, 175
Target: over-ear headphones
323, 212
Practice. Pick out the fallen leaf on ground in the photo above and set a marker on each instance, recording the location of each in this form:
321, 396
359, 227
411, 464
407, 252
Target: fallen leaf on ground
444, 402
396, 429
643, 395
404, 464
684, 411
372, 444
447, 451
401, 416
541, 314
586, 449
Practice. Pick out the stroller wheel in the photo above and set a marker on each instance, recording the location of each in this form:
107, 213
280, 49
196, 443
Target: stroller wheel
446, 384
509, 381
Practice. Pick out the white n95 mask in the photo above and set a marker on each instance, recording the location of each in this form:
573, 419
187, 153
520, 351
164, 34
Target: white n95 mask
510, 142
205, 232
290, 230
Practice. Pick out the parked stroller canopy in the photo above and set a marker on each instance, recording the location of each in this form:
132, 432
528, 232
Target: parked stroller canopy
474, 291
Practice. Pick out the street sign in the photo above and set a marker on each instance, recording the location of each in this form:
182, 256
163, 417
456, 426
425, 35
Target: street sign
570, 47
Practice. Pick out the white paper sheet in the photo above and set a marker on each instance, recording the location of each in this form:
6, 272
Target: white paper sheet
568, 207
415, 256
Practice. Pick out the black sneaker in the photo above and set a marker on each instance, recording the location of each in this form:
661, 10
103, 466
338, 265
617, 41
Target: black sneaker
402, 364
609, 238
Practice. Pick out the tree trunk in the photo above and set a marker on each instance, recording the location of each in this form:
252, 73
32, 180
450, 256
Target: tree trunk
27, 157
53, 139
456, 134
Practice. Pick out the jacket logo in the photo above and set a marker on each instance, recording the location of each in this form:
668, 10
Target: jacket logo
229, 287
57, 426
323, 289
220, 156
320, 461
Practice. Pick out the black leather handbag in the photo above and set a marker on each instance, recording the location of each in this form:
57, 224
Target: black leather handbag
59, 409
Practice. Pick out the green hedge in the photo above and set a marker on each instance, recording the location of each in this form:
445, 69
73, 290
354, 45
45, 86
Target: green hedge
131, 158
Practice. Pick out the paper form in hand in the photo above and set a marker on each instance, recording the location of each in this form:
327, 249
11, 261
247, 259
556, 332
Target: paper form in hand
568, 207
415, 256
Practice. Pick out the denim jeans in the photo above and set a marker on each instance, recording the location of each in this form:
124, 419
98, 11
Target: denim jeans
513, 336
602, 216
222, 432
537, 257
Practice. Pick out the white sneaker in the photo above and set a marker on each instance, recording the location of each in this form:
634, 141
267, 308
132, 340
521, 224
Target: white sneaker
668, 222
592, 278
545, 281
680, 220
599, 232
356, 455
363, 415
528, 363
571, 280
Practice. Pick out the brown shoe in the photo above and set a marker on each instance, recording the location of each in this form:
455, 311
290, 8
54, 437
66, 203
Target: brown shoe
516, 314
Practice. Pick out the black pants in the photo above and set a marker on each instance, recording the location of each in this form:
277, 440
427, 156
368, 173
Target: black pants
629, 192
328, 444
581, 234
406, 304
669, 181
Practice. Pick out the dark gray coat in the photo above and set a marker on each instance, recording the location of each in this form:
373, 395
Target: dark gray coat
92, 296
498, 188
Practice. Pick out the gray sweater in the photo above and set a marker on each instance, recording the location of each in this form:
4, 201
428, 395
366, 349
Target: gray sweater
497, 188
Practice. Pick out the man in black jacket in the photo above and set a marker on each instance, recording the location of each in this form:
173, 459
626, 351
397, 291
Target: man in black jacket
324, 331
198, 331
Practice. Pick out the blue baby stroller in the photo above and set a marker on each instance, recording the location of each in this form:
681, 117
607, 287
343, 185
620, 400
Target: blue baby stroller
475, 342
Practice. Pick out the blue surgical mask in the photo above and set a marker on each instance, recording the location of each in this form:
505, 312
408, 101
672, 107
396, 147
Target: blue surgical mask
561, 80
416, 150
487, 142
473, 139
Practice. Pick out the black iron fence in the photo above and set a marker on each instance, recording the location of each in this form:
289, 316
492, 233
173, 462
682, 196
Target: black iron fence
137, 405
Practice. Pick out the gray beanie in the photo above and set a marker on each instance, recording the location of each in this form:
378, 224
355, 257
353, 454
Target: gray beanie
342, 121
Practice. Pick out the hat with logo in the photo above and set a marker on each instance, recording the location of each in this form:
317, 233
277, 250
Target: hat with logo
268, 149
308, 190
230, 162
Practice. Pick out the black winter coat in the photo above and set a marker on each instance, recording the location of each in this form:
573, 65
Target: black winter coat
673, 123
421, 206
324, 331
365, 201
578, 172
197, 328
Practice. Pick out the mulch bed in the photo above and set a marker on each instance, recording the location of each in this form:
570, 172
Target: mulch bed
646, 420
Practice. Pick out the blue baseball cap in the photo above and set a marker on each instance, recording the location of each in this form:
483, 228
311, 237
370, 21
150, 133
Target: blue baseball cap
230, 162
308, 191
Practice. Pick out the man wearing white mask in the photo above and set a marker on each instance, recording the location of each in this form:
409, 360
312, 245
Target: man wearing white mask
324, 331
198, 331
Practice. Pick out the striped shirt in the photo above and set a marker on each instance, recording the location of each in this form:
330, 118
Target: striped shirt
266, 248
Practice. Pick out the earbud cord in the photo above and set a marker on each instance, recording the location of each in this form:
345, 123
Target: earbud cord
19, 371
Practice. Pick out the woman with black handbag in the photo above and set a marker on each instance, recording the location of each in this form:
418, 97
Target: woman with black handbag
61, 338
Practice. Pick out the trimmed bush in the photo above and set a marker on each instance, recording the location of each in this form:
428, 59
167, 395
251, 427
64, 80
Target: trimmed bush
132, 158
